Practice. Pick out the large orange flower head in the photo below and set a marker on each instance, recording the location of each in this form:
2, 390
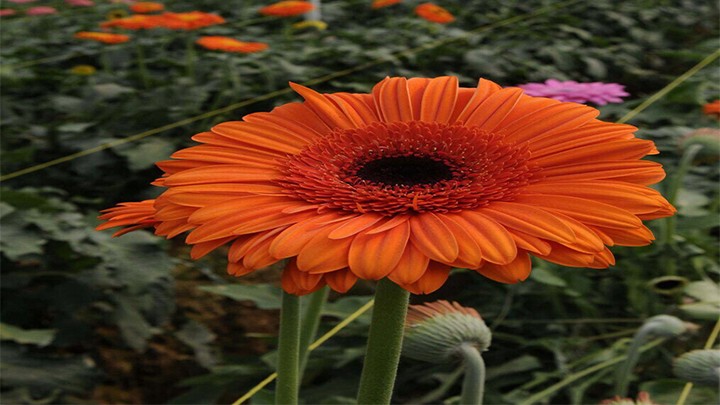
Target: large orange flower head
407, 182
434, 13
227, 44
104, 37
287, 8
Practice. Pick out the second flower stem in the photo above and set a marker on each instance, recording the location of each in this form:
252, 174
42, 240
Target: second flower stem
310, 323
384, 344
474, 383
288, 365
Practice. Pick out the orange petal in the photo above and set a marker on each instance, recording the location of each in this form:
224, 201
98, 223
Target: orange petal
530, 243
584, 210
640, 172
430, 234
237, 269
438, 100
469, 251
373, 256
392, 98
324, 107
355, 108
495, 241
256, 135
411, 267
565, 256
511, 273
531, 220
341, 280
354, 226
611, 150
295, 117
322, 254
433, 278
297, 282
201, 249
491, 112
484, 89
556, 118
640, 236
220, 174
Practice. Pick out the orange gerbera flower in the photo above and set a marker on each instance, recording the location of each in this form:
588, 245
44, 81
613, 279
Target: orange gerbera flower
383, 3
407, 182
146, 7
434, 13
230, 44
135, 22
104, 37
191, 20
712, 109
287, 8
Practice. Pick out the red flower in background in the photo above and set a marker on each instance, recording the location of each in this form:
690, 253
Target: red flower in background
434, 13
287, 8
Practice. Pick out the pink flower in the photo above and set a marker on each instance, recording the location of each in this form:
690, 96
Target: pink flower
597, 92
6, 12
21, 1
41, 10
80, 3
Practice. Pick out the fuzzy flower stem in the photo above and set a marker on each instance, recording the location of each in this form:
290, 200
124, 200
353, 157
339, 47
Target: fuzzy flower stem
288, 351
310, 323
384, 344
474, 383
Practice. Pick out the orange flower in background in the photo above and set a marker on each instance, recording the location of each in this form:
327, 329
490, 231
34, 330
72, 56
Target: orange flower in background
407, 182
383, 3
191, 20
146, 7
434, 13
227, 44
135, 22
712, 109
287, 8
104, 37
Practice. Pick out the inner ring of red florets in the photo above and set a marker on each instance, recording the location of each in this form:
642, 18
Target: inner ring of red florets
404, 167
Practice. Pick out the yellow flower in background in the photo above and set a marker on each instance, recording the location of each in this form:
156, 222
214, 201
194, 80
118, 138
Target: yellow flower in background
83, 70
318, 25
116, 14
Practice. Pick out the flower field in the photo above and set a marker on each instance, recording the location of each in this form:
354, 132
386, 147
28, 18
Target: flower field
213, 202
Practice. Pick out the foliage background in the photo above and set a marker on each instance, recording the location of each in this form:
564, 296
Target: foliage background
87, 319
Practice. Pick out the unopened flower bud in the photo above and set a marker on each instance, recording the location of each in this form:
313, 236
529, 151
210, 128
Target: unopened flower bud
435, 331
666, 326
699, 367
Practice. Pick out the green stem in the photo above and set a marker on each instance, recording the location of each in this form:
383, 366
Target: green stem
474, 383
190, 58
674, 187
622, 379
384, 344
310, 323
288, 351
142, 68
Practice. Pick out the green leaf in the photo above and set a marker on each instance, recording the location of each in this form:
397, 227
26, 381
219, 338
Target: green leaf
75, 127
667, 391
108, 91
703, 290
546, 276
143, 155
39, 337
264, 296
198, 336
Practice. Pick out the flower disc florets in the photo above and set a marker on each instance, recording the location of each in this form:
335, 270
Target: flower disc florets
400, 168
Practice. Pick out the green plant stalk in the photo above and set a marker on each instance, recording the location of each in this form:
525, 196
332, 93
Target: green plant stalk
473, 386
190, 58
310, 323
384, 344
622, 378
538, 397
142, 68
674, 187
288, 366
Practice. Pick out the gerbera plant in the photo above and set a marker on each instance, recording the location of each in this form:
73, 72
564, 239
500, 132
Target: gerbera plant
595, 92
401, 185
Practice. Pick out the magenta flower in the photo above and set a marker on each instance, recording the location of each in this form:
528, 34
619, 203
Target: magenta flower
41, 10
597, 92
6, 12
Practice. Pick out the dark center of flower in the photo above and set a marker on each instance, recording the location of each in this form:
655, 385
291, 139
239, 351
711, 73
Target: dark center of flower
405, 171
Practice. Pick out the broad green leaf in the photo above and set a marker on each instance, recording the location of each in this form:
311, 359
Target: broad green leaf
39, 337
264, 296
546, 276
